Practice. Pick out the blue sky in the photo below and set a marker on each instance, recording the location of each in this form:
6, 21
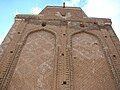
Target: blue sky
93, 8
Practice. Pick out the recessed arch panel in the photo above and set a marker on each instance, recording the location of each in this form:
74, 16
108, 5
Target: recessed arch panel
34, 70
90, 66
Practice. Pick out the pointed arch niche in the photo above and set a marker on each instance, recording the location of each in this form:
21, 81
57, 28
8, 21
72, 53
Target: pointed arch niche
34, 70
90, 66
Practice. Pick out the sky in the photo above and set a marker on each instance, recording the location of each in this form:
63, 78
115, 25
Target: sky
93, 8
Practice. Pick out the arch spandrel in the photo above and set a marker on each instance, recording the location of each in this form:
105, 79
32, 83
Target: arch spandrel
91, 67
34, 69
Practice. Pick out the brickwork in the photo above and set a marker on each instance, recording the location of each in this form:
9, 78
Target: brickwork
60, 49
34, 69
89, 61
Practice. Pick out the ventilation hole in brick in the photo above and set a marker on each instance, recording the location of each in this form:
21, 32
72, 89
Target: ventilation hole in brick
96, 43
63, 15
114, 56
11, 51
74, 57
81, 25
64, 21
105, 36
95, 23
44, 24
18, 32
64, 83
62, 54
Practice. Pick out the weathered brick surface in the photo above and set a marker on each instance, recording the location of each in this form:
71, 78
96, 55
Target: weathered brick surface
9, 37
60, 49
91, 70
34, 69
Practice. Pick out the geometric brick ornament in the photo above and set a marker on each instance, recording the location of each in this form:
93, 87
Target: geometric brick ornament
60, 49
34, 69
91, 70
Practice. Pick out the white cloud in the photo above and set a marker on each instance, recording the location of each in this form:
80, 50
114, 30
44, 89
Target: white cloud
105, 9
71, 2
102, 8
16, 12
80, 3
35, 10
116, 26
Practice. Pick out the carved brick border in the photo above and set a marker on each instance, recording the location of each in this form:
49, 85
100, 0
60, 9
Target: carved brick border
8, 68
101, 39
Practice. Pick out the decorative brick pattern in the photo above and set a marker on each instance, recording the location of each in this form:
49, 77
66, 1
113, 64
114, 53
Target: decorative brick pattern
91, 69
67, 60
34, 70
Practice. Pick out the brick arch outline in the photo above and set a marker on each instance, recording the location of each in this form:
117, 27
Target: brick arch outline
23, 38
26, 37
108, 60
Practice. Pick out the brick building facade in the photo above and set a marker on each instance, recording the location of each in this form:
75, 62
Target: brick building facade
60, 49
